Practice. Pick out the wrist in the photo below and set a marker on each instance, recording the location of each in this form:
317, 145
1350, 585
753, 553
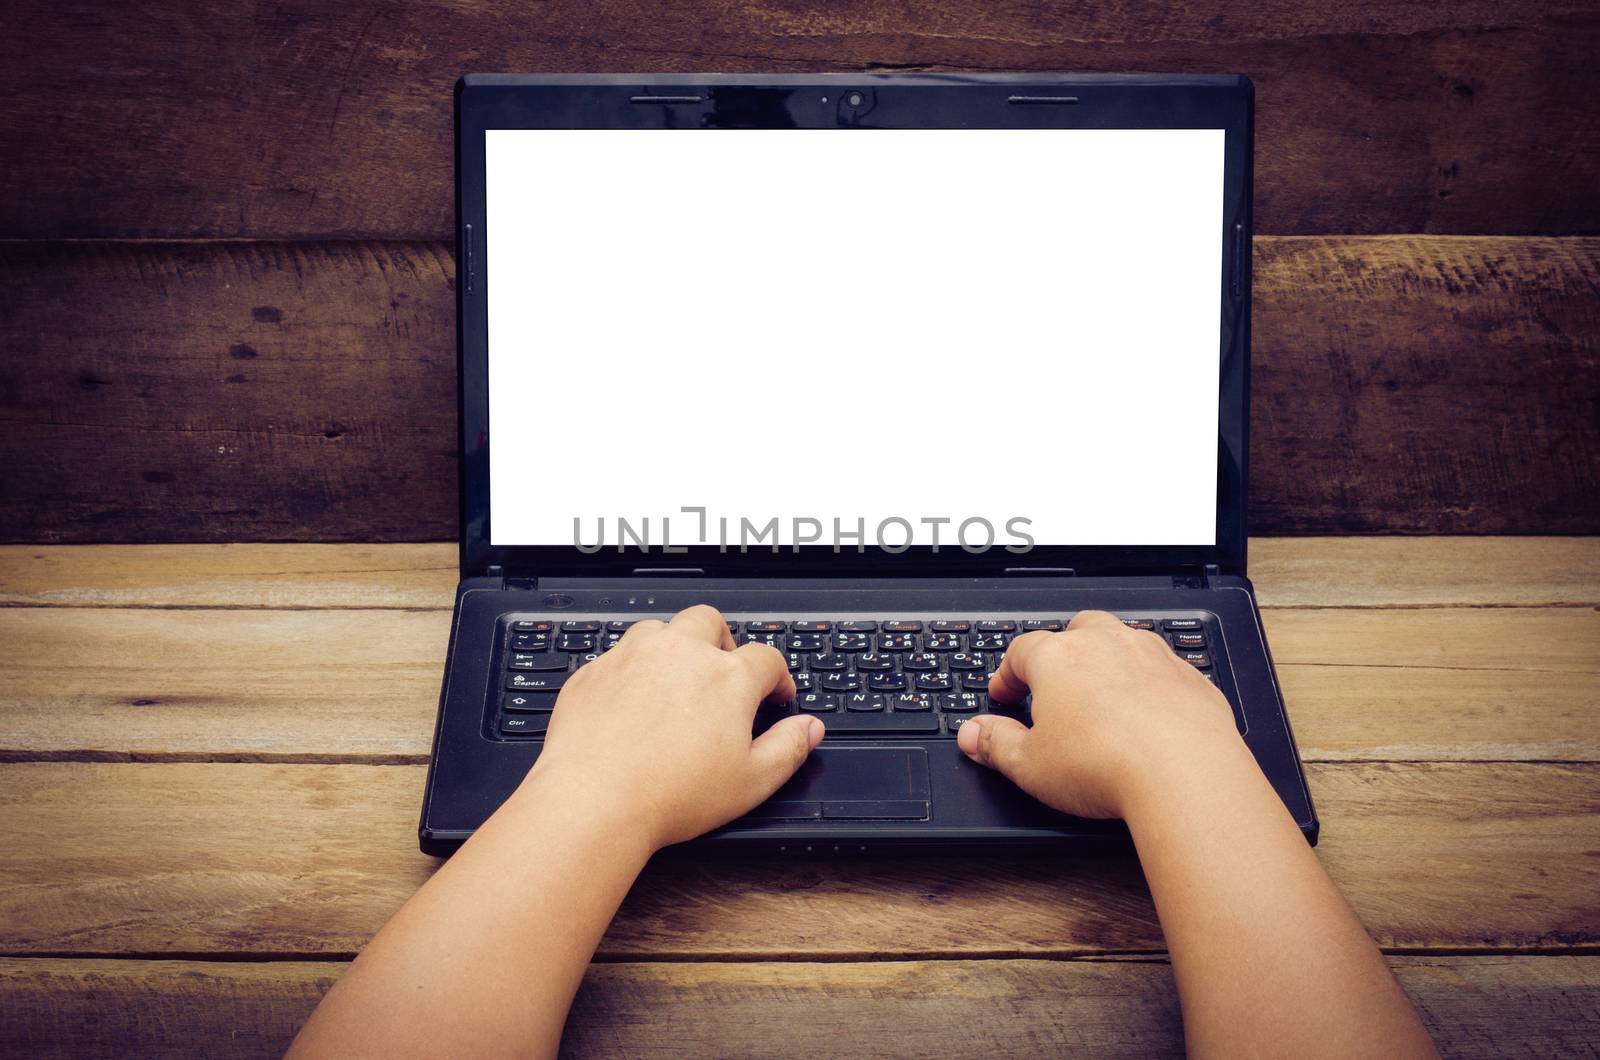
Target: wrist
579, 808
1181, 772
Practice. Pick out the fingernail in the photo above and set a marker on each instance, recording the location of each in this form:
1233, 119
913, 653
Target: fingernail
814, 730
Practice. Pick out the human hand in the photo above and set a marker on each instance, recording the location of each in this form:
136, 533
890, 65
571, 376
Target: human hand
657, 730
1113, 709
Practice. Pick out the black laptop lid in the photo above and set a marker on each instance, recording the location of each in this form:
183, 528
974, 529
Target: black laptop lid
823, 324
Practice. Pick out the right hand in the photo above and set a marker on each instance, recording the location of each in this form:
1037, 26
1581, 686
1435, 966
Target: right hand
1113, 708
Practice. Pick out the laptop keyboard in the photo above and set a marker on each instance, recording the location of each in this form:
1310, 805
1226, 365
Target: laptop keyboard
879, 678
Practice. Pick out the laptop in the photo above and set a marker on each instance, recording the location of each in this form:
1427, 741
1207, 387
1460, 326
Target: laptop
889, 369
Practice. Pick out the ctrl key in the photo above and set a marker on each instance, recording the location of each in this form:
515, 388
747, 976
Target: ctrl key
524, 724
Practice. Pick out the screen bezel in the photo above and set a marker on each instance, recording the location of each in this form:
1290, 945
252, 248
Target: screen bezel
1121, 101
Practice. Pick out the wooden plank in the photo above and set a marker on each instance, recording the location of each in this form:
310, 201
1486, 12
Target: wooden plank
229, 392
214, 392
350, 685
249, 575
306, 860
1288, 572
1412, 572
305, 119
1425, 413
1487, 1006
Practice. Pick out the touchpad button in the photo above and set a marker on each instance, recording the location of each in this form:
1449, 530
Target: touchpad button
863, 783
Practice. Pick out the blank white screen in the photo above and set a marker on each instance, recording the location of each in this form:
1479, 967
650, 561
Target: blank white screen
855, 324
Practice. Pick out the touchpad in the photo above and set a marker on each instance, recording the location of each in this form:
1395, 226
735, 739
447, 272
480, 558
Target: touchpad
854, 783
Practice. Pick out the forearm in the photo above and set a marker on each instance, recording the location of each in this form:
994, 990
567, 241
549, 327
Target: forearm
1268, 956
486, 957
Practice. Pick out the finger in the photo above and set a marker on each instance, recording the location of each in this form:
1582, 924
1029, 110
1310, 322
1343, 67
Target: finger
703, 622
996, 741
1091, 619
643, 627
1010, 681
782, 749
768, 669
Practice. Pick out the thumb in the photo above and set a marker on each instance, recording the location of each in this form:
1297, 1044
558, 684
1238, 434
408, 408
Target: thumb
782, 749
996, 741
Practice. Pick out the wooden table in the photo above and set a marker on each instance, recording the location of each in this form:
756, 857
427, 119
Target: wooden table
211, 761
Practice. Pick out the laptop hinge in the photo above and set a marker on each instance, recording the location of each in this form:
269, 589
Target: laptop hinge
670, 572
497, 572
1197, 581
1053, 572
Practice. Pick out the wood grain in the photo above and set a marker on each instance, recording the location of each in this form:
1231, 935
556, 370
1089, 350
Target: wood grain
350, 685
1288, 572
214, 392
304, 860
304, 119
1489, 1007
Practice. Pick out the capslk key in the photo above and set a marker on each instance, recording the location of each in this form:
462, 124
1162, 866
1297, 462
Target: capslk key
537, 682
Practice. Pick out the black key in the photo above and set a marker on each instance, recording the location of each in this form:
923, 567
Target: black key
522, 660
959, 702
575, 642
889, 682
830, 662
950, 627
816, 702
976, 680
902, 626
537, 682
810, 627
806, 641
997, 627
611, 641
1198, 659
772, 640
619, 625
803, 681
526, 626
965, 660
528, 702
858, 627
796, 663
952, 724
865, 701
580, 627
897, 642
881, 724
923, 661
1194, 641
584, 659
914, 702
873, 661
1172, 625
990, 641
531, 642
524, 724
852, 642
938, 681
1049, 625
944, 642
841, 682
764, 627
1139, 623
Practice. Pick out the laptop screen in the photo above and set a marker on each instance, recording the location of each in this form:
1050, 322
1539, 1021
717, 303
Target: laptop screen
974, 337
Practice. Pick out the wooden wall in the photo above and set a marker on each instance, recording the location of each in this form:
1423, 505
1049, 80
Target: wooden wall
226, 271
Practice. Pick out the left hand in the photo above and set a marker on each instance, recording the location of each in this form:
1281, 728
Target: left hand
657, 730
